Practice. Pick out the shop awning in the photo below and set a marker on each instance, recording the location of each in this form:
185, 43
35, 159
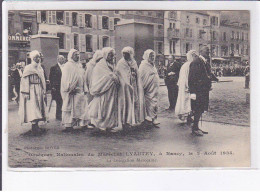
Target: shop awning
218, 59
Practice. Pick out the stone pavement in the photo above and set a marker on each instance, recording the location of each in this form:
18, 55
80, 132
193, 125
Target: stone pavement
170, 145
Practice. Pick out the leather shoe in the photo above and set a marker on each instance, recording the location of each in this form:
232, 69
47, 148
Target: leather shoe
204, 132
169, 109
67, 130
197, 132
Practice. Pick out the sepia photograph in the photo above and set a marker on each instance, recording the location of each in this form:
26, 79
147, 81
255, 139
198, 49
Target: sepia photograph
128, 88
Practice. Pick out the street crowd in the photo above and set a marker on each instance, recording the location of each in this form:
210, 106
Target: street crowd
230, 70
113, 97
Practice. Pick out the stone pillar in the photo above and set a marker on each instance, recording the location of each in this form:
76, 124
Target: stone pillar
49, 47
137, 35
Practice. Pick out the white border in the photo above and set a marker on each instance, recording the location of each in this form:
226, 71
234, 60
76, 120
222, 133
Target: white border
141, 179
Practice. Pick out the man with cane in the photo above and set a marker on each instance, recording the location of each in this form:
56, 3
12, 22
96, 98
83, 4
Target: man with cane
200, 78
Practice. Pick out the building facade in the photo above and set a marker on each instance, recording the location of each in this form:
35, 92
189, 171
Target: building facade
187, 30
88, 31
174, 32
234, 41
21, 25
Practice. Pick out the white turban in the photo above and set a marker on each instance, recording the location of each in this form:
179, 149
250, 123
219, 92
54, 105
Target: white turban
34, 53
98, 55
71, 54
147, 54
60, 57
106, 51
129, 50
189, 55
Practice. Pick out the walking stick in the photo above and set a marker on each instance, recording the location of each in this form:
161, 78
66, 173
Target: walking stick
201, 120
50, 105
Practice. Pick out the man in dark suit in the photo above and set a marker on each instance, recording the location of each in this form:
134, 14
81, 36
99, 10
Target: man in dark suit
55, 82
16, 76
171, 80
200, 78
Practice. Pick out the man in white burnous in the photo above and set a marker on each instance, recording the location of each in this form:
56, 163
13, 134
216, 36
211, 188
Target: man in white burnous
88, 74
72, 92
183, 105
32, 107
151, 83
103, 108
131, 93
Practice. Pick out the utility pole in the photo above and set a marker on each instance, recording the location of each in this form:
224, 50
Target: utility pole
210, 42
210, 57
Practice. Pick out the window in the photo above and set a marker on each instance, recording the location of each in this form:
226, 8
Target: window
43, 17
204, 22
187, 32
67, 18
60, 17
246, 36
187, 19
88, 43
214, 20
88, 22
224, 50
214, 50
117, 12
232, 47
237, 35
75, 19
172, 47
233, 35
224, 36
201, 32
150, 13
105, 41
160, 27
27, 28
173, 15
76, 41
116, 20
105, 22
171, 25
197, 20
61, 40
187, 47
237, 48
242, 36
160, 47
214, 35
139, 12
159, 15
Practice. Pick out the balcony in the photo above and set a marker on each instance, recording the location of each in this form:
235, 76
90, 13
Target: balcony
173, 33
28, 13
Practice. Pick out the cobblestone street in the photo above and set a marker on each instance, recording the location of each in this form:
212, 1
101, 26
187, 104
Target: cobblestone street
171, 145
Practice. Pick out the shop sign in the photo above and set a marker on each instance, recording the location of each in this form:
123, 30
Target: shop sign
19, 38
